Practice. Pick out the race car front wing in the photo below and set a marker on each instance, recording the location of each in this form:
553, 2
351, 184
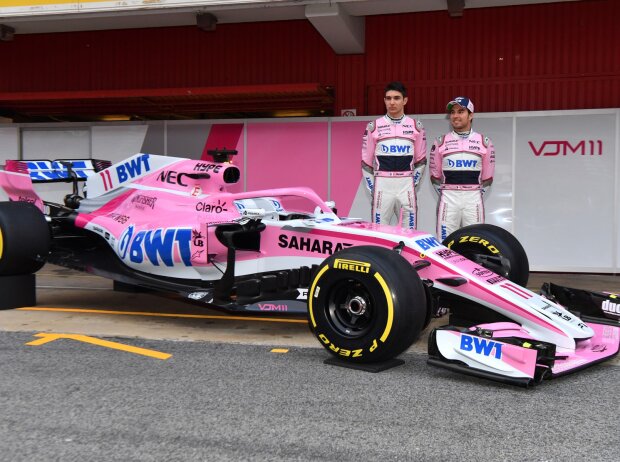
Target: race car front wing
505, 352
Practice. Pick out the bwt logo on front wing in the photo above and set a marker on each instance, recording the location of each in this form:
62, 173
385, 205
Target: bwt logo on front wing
481, 346
563, 148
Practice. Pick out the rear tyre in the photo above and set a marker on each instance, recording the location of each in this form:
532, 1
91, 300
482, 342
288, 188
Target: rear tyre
493, 248
366, 304
24, 238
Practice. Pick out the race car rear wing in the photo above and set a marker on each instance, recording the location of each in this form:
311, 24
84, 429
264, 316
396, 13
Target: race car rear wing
59, 170
17, 177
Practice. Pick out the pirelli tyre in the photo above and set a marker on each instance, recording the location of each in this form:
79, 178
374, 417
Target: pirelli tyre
24, 238
366, 304
493, 248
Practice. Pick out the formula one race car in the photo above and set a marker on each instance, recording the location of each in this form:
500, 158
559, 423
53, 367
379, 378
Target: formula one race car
170, 224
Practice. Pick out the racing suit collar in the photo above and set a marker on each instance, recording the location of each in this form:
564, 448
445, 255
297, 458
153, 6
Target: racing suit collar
395, 120
463, 135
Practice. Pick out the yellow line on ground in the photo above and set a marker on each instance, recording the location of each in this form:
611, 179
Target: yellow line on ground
50, 337
163, 315
279, 350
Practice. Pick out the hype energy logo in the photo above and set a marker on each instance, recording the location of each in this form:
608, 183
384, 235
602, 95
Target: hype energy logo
156, 246
481, 346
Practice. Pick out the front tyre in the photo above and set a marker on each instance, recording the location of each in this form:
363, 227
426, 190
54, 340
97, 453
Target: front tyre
24, 238
366, 304
493, 248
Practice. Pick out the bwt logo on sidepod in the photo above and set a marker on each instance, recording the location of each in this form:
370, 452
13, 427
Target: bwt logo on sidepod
465, 163
563, 147
156, 245
481, 346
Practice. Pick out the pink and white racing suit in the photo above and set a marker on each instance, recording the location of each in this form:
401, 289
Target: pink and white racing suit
395, 150
461, 164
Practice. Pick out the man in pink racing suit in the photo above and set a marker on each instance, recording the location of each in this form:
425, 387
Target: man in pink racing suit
393, 160
462, 164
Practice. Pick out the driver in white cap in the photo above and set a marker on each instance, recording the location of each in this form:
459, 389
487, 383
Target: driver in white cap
462, 164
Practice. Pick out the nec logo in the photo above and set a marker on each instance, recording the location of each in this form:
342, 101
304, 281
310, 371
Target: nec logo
172, 177
396, 149
462, 163
563, 148
481, 346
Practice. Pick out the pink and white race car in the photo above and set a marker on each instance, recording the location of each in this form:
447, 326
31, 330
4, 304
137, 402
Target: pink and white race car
170, 224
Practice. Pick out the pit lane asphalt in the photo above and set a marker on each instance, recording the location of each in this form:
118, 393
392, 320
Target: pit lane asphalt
224, 395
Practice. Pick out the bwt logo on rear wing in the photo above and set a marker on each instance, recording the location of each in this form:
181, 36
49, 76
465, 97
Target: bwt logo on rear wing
61, 170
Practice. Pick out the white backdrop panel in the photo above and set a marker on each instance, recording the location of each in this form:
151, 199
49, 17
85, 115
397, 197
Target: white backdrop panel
498, 203
117, 142
9, 143
564, 203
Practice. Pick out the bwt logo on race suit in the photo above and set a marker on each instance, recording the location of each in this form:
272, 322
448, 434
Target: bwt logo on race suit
462, 163
481, 346
156, 245
563, 147
395, 149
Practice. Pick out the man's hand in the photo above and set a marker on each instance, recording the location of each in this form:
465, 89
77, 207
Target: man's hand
486, 186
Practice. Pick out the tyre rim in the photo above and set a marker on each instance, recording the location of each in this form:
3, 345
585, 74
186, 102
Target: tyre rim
350, 308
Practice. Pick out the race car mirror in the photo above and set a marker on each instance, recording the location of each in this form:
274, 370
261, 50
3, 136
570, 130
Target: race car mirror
222, 155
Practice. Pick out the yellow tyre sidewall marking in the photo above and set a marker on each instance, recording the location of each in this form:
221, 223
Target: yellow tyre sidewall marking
1, 244
311, 293
390, 307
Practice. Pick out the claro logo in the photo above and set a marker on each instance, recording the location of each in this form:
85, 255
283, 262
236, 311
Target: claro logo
564, 148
